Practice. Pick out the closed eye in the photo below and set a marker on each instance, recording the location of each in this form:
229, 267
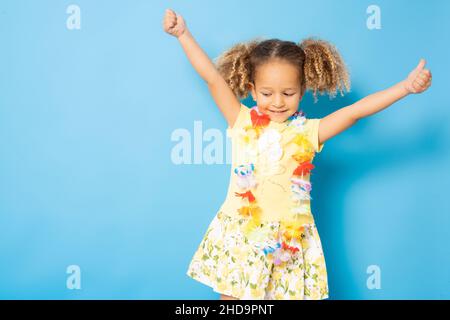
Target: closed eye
268, 94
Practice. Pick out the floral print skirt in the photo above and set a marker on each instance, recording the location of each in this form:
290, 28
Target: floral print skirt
236, 265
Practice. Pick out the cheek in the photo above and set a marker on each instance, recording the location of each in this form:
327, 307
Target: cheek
263, 103
263, 99
265, 106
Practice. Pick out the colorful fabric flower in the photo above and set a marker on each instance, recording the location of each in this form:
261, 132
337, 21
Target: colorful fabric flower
247, 134
244, 169
249, 195
254, 222
304, 144
259, 119
250, 211
280, 256
303, 184
293, 230
293, 249
269, 145
303, 156
297, 121
278, 253
245, 176
271, 249
298, 194
303, 168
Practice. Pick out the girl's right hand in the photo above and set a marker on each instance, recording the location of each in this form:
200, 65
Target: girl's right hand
174, 23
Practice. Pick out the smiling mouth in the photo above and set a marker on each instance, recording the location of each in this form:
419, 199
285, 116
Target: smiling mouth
278, 111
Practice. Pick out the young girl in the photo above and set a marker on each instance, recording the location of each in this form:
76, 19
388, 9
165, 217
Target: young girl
263, 242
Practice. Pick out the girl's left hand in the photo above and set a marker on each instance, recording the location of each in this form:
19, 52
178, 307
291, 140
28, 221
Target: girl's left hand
419, 79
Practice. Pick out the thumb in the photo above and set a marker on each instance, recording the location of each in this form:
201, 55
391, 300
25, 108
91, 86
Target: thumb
179, 18
421, 65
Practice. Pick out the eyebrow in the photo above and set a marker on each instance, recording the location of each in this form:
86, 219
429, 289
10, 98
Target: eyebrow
284, 88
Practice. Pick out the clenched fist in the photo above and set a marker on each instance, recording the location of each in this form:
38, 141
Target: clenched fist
419, 79
174, 23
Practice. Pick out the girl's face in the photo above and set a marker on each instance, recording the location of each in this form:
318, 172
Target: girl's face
277, 90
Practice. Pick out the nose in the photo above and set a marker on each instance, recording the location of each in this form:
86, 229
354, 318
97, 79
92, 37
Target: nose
278, 102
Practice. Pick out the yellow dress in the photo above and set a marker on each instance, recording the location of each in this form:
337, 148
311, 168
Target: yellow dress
263, 242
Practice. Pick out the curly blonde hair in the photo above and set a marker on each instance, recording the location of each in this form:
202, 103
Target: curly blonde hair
321, 67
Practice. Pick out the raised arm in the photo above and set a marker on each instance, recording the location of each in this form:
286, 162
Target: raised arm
224, 97
417, 81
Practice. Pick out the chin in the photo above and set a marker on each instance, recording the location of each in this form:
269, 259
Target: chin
278, 119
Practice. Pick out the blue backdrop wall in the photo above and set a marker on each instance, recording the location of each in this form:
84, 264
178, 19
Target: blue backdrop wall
93, 95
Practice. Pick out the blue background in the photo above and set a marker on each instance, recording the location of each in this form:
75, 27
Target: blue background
87, 178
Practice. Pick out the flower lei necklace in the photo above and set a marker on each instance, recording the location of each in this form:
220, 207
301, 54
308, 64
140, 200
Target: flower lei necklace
268, 142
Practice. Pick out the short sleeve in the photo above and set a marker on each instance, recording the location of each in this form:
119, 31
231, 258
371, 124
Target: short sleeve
241, 120
312, 131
